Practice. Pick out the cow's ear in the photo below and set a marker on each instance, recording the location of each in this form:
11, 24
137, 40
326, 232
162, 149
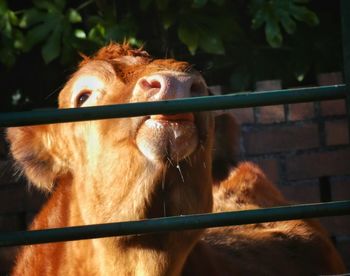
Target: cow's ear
32, 149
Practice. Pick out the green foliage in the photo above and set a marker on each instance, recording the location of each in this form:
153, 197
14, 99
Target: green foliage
54, 27
201, 32
234, 43
11, 38
60, 29
276, 13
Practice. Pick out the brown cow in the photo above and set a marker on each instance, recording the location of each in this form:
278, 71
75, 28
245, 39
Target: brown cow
151, 166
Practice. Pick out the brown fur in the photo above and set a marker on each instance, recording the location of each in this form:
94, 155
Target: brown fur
96, 173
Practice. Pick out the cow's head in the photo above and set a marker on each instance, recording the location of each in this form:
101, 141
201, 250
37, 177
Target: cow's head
124, 159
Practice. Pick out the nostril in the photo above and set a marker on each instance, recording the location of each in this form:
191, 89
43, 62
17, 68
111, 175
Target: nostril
155, 84
149, 84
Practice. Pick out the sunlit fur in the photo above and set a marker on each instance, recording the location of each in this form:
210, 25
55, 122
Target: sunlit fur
96, 173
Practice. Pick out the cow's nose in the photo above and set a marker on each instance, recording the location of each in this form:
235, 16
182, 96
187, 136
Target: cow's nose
169, 85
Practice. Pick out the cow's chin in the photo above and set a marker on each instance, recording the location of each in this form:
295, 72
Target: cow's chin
167, 140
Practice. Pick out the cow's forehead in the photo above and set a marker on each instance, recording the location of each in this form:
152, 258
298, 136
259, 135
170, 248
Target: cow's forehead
99, 68
129, 68
127, 61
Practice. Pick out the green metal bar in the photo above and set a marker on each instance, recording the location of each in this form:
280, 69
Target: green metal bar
178, 223
345, 12
174, 106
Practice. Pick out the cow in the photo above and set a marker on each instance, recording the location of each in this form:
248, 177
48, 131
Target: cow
128, 169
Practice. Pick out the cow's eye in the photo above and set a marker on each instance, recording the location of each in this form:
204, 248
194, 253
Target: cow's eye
82, 97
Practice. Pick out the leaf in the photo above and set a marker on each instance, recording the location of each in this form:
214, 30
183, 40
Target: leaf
19, 40
258, 20
305, 15
78, 33
7, 27
189, 38
288, 24
135, 42
52, 47
12, 18
97, 34
74, 16
273, 34
116, 32
31, 17
3, 7
39, 33
212, 44
45, 5
60, 4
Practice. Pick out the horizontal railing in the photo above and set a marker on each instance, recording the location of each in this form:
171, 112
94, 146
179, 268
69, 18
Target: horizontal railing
176, 223
237, 100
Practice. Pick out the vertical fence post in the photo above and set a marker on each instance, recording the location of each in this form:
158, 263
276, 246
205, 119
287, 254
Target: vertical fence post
345, 14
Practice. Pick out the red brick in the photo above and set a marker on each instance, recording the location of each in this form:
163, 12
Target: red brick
301, 111
270, 168
330, 78
337, 132
302, 191
271, 114
266, 85
338, 225
244, 115
12, 199
341, 190
315, 165
279, 139
333, 107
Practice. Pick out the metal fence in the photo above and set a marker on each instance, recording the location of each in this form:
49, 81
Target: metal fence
184, 105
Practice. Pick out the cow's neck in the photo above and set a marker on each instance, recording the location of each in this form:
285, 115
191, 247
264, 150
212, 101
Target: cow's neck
118, 256
162, 254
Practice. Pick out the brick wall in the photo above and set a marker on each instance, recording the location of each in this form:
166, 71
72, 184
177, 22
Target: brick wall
304, 148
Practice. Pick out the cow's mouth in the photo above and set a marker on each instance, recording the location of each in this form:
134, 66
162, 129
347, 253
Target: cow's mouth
171, 136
